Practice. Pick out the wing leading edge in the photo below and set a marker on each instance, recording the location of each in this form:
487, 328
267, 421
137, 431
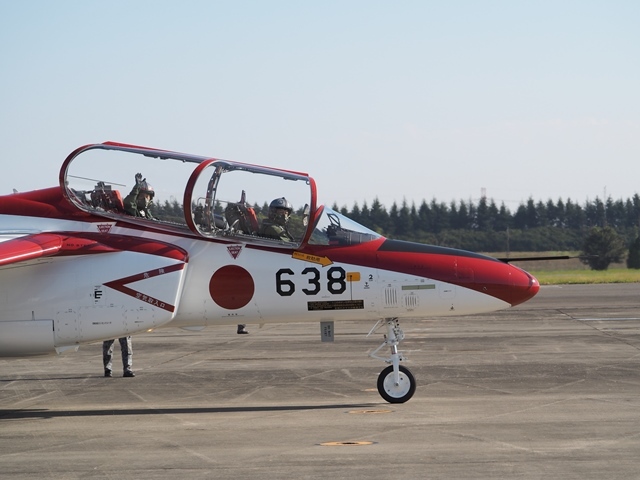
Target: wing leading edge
34, 246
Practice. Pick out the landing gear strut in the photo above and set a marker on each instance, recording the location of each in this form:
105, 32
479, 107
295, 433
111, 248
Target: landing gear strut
396, 383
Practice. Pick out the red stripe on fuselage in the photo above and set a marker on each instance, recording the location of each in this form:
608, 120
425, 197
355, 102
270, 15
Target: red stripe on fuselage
120, 286
470, 270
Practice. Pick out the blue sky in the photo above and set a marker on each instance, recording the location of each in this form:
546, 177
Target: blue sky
405, 100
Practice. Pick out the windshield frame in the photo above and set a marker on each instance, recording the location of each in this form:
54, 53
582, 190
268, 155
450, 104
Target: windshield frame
332, 228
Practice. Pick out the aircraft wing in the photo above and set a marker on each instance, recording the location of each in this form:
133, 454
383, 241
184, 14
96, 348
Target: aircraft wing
33, 246
51, 304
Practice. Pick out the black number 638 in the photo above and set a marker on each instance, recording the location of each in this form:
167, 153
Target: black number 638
335, 281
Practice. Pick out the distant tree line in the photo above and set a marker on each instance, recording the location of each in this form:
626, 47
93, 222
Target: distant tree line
606, 230
485, 226
173, 211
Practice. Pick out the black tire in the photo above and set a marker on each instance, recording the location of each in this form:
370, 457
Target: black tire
392, 393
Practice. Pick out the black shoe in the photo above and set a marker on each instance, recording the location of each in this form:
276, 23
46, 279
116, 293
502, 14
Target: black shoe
242, 331
107, 373
129, 373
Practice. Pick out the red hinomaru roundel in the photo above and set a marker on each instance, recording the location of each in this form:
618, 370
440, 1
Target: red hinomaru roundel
231, 287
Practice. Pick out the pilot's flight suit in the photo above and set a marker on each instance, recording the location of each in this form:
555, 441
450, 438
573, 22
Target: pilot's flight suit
132, 207
273, 230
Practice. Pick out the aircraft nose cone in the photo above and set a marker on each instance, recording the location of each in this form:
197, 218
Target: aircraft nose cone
524, 286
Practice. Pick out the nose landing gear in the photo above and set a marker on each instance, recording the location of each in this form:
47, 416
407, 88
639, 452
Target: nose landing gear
396, 383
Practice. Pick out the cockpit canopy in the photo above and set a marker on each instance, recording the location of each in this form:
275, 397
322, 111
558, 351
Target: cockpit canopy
202, 196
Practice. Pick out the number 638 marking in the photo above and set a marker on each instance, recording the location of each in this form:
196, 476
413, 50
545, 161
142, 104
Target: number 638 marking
336, 281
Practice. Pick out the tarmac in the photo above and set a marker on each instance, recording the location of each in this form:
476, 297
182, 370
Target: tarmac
549, 389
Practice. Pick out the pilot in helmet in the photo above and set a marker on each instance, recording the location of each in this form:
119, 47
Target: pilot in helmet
275, 226
138, 202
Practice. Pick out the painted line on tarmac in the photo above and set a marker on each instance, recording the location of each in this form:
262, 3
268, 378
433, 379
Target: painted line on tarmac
608, 319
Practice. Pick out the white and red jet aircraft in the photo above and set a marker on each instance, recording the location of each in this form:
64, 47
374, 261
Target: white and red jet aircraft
75, 268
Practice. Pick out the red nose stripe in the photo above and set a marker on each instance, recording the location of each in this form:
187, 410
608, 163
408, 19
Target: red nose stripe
466, 269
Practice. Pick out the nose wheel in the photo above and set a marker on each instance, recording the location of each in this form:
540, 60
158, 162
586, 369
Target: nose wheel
396, 384
398, 392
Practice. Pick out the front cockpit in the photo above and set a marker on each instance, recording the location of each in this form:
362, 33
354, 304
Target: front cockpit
233, 199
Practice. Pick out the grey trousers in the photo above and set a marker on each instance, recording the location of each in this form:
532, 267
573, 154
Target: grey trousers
126, 350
